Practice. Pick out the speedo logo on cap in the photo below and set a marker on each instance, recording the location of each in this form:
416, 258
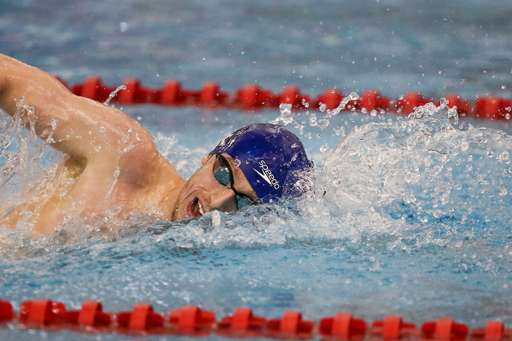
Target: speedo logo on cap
267, 175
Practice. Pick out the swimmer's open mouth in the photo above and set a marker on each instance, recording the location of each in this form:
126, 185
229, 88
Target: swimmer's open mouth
195, 208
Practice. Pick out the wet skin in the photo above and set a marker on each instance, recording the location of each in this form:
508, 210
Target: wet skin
111, 161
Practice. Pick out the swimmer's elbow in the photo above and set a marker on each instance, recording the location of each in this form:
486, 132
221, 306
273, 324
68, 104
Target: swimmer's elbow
4, 90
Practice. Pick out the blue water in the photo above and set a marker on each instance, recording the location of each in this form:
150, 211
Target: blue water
409, 216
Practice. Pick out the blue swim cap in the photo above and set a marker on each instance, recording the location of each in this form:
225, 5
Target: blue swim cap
272, 159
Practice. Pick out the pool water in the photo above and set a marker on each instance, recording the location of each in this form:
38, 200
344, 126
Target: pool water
409, 215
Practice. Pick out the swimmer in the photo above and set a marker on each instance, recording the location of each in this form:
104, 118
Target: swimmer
111, 161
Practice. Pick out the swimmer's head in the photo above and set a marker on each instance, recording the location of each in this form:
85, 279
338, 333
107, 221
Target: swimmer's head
272, 159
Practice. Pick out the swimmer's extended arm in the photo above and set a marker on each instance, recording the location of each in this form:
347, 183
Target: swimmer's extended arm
82, 128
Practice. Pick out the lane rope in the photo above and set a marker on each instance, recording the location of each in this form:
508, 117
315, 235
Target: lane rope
252, 97
193, 321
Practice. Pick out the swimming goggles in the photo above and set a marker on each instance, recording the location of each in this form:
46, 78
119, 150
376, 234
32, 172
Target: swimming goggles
224, 175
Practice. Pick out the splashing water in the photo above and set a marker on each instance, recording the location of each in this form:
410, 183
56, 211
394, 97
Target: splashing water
414, 171
381, 178
114, 93
343, 104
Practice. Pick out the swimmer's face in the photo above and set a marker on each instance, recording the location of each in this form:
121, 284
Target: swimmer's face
205, 191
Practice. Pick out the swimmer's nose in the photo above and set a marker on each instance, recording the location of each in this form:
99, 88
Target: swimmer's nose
223, 199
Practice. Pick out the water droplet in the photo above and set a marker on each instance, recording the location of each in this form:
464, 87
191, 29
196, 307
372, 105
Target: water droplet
323, 107
340, 131
312, 120
323, 123
113, 93
324, 148
216, 221
103, 129
286, 114
123, 26
97, 148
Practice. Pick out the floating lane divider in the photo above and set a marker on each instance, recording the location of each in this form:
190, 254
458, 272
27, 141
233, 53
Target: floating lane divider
193, 321
252, 97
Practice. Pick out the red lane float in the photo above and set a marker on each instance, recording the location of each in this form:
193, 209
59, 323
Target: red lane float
141, 319
372, 100
394, 328
241, 324
290, 326
342, 326
411, 100
493, 108
6, 312
42, 312
463, 107
91, 316
331, 98
251, 97
494, 331
193, 321
445, 329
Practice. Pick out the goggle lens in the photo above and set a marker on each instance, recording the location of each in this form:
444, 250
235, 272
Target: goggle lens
222, 172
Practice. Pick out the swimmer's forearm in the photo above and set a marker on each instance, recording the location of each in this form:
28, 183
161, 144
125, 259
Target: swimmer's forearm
78, 126
39, 90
